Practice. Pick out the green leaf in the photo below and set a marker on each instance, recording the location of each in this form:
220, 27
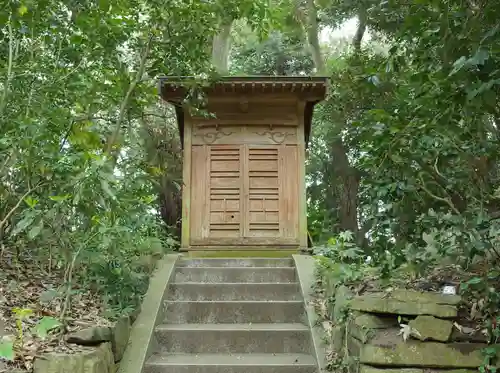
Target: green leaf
7, 350
480, 57
106, 189
35, 230
23, 224
46, 324
60, 198
475, 281
22, 10
31, 202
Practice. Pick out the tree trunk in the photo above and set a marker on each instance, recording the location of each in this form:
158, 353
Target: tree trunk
347, 175
221, 46
360, 31
349, 187
312, 36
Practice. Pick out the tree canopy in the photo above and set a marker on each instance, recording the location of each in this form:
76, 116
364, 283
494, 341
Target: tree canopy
404, 155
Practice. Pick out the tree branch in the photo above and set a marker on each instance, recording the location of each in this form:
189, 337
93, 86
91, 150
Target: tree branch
312, 36
3, 100
438, 198
360, 31
123, 107
16, 206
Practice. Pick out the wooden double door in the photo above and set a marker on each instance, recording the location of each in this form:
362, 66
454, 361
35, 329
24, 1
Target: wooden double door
244, 195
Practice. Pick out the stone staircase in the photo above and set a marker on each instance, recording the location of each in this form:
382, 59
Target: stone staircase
235, 315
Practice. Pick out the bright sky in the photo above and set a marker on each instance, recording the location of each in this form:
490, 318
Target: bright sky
346, 30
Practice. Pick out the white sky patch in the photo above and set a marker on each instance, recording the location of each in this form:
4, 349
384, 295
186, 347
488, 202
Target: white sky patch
345, 31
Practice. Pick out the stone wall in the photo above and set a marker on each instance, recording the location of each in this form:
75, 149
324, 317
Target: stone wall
100, 350
402, 331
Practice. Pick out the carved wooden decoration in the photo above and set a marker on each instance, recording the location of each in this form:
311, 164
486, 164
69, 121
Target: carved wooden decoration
277, 137
209, 137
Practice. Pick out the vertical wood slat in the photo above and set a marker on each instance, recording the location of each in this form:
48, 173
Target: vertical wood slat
282, 189
301, 193
186, 187
205, 228
290, 188
244, 192
198, 212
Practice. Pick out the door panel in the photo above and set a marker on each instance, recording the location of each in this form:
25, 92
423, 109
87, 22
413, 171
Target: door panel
244, 195
224, 192
262, 192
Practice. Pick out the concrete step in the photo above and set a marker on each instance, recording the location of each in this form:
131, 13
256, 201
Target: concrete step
233, 338
239, 363
179, 312
234, 291
236, 262
235, 274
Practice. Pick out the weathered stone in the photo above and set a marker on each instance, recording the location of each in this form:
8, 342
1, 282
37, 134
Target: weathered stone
377, 303
429, 327
121, 334
371, 321
475, 337
361, 334
354, 346
93, 360
369, 369
425, 297
364, 325
423, 354
90, 336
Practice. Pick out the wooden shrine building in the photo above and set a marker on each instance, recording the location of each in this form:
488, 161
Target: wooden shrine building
244, 166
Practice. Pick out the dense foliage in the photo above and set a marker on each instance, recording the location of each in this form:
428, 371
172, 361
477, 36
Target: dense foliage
404, 153
403, 166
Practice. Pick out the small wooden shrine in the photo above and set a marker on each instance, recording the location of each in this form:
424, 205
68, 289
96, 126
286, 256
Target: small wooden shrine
244, 166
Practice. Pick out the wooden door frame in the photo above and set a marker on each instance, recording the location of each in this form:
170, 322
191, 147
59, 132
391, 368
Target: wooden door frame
244, 239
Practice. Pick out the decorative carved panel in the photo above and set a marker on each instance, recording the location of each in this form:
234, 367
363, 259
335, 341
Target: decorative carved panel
210, 135
277, 136
244, 134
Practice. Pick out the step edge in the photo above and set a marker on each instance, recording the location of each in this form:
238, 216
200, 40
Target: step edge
233, 283
196, 359
239, 258
261, 364
234, 327
252, 268
235, 301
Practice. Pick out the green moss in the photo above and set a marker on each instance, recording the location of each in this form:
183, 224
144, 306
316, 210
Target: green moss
423, 354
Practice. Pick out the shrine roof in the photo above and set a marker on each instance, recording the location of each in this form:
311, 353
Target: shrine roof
310, 89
